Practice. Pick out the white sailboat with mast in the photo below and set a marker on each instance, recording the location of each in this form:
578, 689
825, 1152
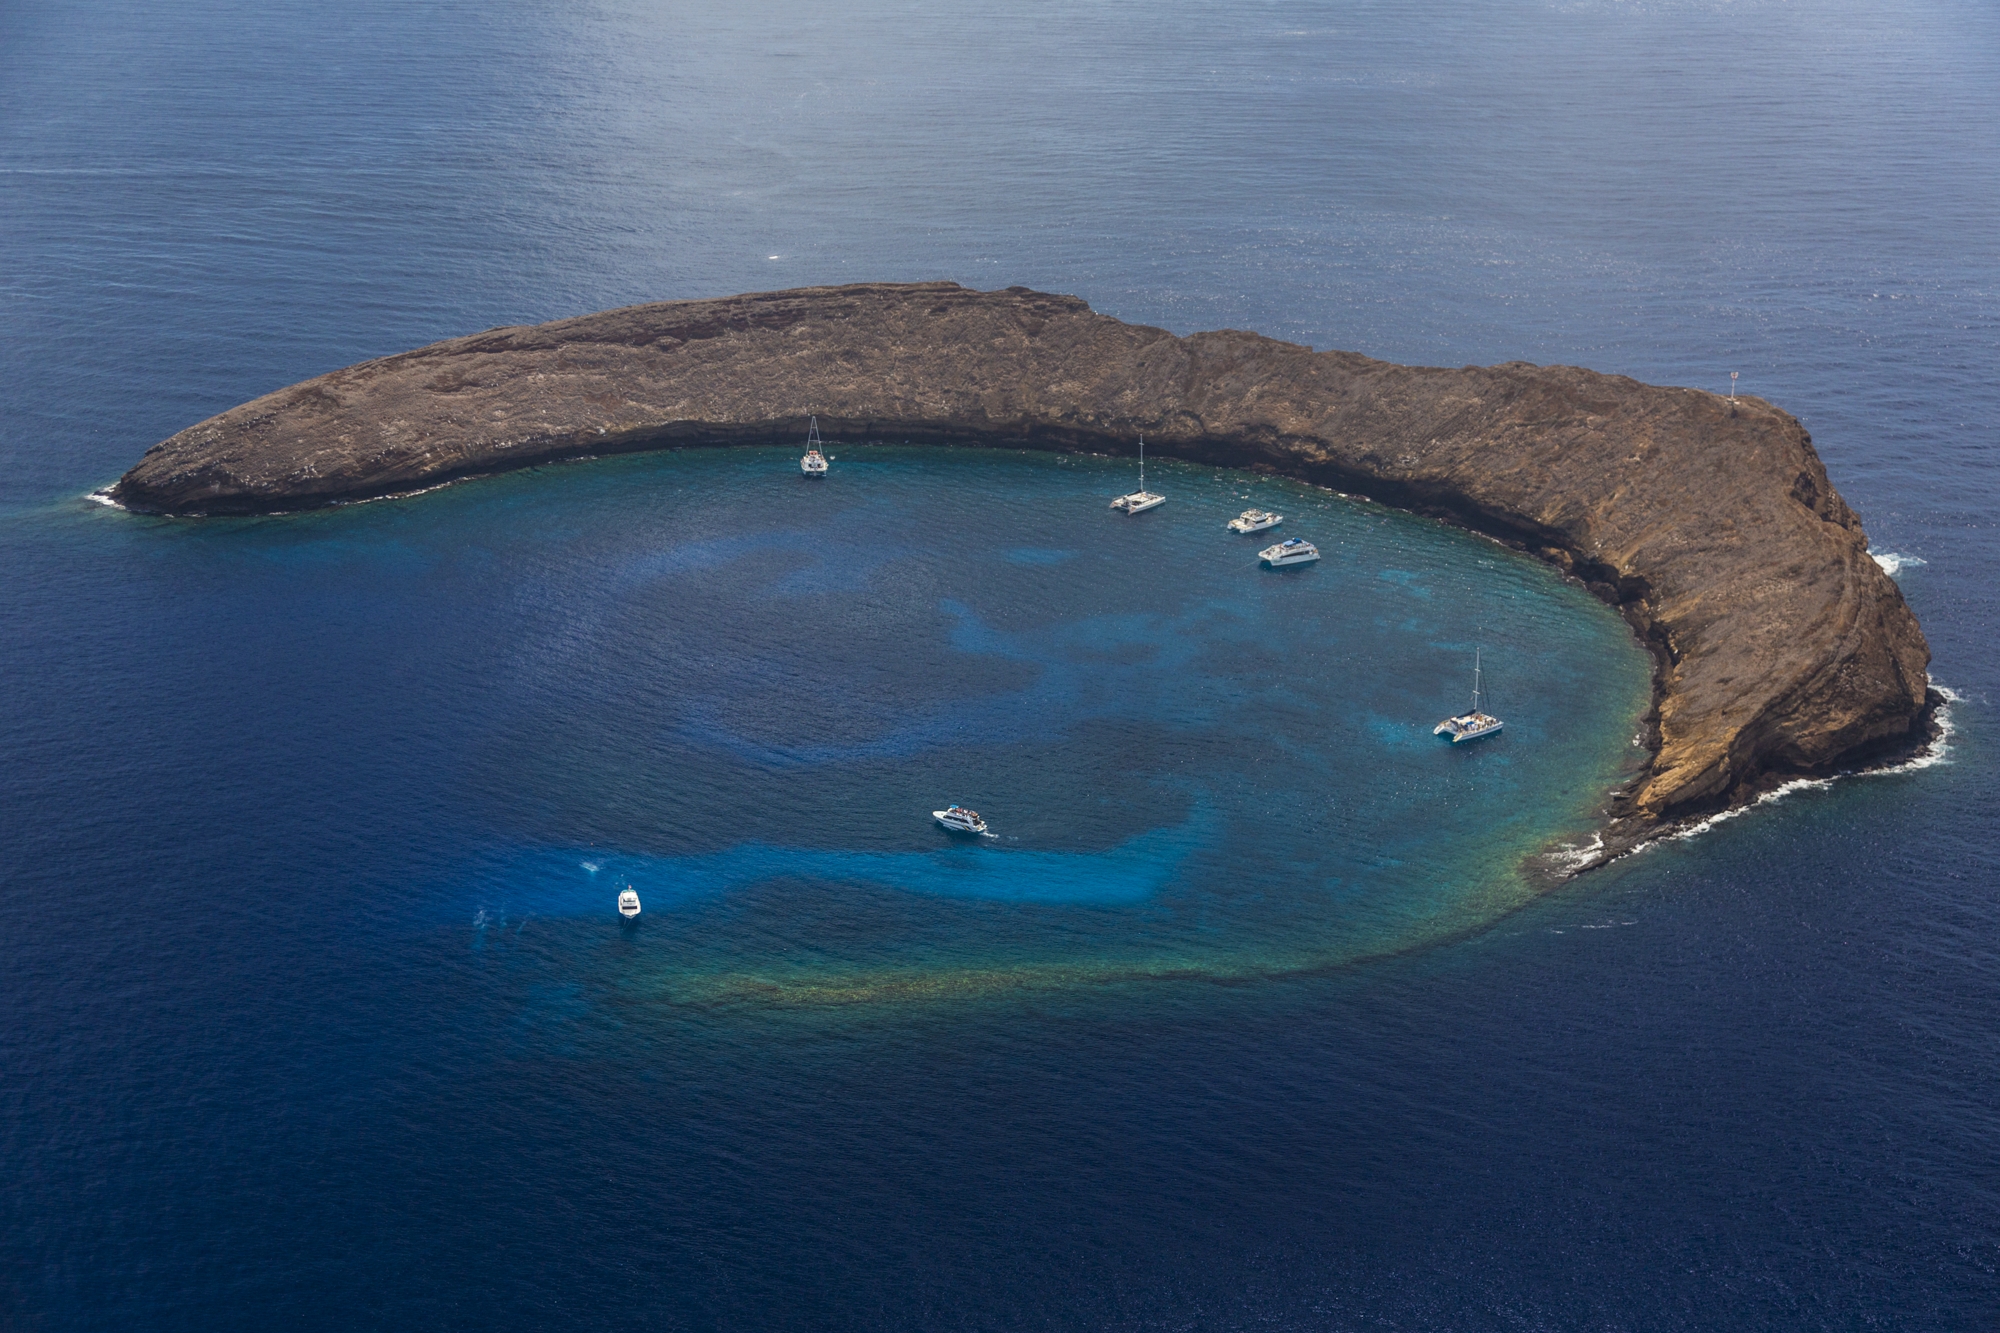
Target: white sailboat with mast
814, 463
1470, 725
1142, 499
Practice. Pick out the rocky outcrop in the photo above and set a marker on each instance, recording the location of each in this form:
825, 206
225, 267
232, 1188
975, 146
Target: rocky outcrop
1781, 646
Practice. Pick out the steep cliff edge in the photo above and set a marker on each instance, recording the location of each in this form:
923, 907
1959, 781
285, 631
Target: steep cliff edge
1781, 646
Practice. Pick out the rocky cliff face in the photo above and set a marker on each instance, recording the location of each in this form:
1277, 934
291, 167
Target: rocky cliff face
1781, 645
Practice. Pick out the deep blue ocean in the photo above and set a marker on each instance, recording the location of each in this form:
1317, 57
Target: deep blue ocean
314, 1008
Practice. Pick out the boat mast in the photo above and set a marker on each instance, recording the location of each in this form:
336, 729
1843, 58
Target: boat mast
1475, 680
1142, 463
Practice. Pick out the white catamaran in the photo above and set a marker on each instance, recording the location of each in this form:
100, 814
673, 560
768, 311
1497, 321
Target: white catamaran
1142, 499
814, 463
1469, 726
1255, 520
1292, 551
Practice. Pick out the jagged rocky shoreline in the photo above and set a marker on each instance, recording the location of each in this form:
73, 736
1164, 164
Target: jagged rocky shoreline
1780, 647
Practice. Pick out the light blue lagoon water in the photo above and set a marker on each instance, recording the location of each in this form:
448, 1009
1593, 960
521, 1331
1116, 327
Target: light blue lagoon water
314, 1010
714, 675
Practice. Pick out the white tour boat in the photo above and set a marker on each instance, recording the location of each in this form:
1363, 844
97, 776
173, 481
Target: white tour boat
1471, 725
814, 463
1139, 501
1293, 551
628, 902
1255, 520
960, 820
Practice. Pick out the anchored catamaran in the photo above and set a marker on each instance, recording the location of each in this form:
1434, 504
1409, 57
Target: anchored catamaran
1292, 551
814, 463
1469, 726
1255, 520
1142, 499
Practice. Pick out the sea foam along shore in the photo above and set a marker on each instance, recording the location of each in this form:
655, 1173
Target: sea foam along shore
1569, 859
1895, 562
1937, 750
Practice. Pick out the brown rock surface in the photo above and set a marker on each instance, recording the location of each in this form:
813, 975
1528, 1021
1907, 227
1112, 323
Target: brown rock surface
1781, 646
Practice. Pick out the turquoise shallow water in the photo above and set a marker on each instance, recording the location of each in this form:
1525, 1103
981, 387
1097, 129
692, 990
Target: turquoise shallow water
716, 679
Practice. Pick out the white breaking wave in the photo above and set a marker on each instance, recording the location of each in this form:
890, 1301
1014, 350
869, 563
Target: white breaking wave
1895, 562
1777, 793
1571, 858
1937, 752
103, 497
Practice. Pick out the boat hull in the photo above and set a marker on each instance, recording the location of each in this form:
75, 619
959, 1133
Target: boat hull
1461, 730
1286, 554
951, 825
1138, 502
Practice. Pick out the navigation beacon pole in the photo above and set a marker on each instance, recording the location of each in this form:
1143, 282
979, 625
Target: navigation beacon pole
1732, 386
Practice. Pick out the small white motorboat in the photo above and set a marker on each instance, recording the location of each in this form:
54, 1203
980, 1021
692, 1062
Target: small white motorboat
1471, 725
1293, 551
814, 463
1255, 520
958, 819
628, 903
1139, 501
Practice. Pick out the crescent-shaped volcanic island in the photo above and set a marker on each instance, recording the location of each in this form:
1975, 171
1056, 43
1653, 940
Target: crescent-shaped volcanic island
1780, 646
